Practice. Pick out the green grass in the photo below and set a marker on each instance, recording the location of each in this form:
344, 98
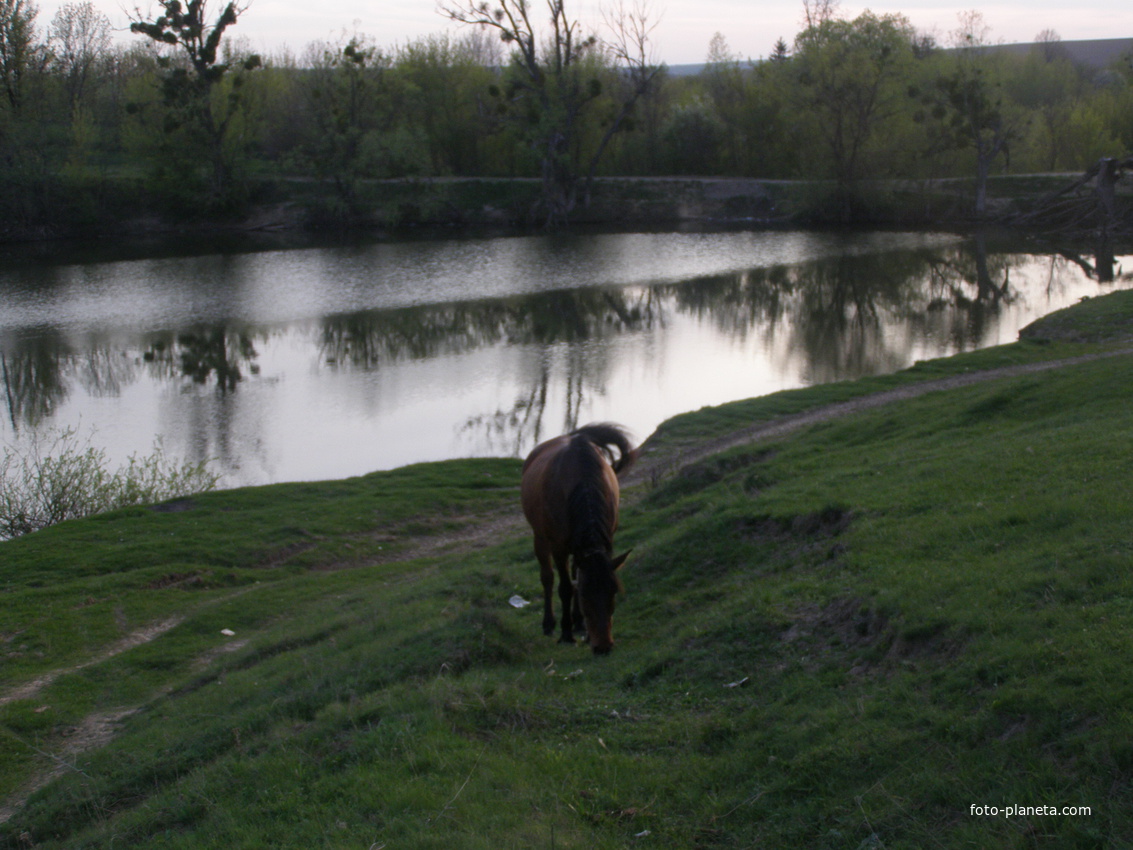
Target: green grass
1095, 320
845, 638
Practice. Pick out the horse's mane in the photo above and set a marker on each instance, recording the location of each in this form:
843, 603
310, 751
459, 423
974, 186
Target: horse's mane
588, 517
592, 538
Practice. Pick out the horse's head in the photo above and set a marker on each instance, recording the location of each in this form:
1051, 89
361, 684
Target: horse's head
598, 587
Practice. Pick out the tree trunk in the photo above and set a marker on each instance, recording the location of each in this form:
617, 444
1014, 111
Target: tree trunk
983, 167
1105, 186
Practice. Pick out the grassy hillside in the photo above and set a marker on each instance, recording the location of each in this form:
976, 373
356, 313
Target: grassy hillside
848, 636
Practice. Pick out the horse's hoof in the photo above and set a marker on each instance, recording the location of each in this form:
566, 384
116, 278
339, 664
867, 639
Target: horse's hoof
565, 639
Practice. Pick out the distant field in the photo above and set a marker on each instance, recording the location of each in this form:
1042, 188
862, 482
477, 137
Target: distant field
1096, 53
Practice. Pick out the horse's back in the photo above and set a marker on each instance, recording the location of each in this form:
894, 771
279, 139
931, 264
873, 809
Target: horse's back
553, 471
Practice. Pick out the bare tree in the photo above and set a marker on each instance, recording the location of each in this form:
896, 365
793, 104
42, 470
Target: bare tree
485, 50
972, 95
17, 48
1050, 43
630, 28
553, 81
818, 12
79, 37
974, 31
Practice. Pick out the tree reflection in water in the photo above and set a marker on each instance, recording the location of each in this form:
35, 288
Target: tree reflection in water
203, 353
33, 377
573, 323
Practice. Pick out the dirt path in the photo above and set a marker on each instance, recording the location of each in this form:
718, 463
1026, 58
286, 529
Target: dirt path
651, 467
137, 638
94, 731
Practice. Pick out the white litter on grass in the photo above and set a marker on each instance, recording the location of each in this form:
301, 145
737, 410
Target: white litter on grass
518, 601
228, 632
741, 683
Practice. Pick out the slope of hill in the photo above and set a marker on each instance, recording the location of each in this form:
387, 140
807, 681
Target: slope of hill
904, 626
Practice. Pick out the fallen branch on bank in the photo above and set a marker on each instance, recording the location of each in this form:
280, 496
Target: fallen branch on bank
1078, 210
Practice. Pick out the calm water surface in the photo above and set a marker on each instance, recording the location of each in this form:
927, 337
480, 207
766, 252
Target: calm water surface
324, 362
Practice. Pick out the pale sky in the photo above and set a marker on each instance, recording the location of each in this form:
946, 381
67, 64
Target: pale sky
682, 35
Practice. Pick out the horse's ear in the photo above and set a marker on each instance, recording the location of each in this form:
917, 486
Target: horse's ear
621, 559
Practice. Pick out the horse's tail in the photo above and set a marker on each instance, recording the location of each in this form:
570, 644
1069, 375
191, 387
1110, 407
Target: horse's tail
607, 436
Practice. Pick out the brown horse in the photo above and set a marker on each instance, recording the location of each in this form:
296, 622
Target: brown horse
570, 498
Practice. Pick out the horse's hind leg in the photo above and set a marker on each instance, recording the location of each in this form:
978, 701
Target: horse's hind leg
547, 575
567, 597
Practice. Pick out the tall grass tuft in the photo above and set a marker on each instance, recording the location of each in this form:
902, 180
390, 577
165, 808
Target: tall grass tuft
59, 477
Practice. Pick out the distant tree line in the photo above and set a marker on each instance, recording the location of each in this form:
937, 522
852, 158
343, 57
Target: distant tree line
189, 116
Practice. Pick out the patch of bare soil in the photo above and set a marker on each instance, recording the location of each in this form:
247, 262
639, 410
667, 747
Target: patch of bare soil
866, 637
480, 533
203, 661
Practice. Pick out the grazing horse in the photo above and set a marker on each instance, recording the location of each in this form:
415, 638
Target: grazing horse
570, 498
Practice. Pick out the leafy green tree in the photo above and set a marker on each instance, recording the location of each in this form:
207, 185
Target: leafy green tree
439, 78
357, 127
343, 89
198, 103
725, 79
1068, 129
27, 182
1112, 100
754, 103
693, 139
774, 144
849, 73
78, 41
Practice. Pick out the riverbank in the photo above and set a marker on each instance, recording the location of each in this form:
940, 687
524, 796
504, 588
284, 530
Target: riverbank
854, 633
123, 209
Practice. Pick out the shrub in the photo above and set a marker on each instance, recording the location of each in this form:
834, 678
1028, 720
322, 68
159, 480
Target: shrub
58, 478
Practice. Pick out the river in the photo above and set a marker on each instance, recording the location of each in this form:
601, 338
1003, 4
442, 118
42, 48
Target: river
331, 360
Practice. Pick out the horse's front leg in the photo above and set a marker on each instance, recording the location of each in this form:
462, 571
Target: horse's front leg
566, 596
